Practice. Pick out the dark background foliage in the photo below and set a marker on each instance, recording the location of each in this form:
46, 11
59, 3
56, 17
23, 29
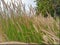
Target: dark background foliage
50, 6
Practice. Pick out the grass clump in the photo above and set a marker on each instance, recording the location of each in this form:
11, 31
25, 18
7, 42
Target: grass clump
29, 29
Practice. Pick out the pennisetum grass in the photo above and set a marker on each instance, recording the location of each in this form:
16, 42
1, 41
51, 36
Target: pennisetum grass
17, 25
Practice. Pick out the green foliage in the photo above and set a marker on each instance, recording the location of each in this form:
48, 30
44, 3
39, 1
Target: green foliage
50, 6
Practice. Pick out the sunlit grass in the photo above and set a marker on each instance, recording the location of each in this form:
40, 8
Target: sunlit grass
29, 29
